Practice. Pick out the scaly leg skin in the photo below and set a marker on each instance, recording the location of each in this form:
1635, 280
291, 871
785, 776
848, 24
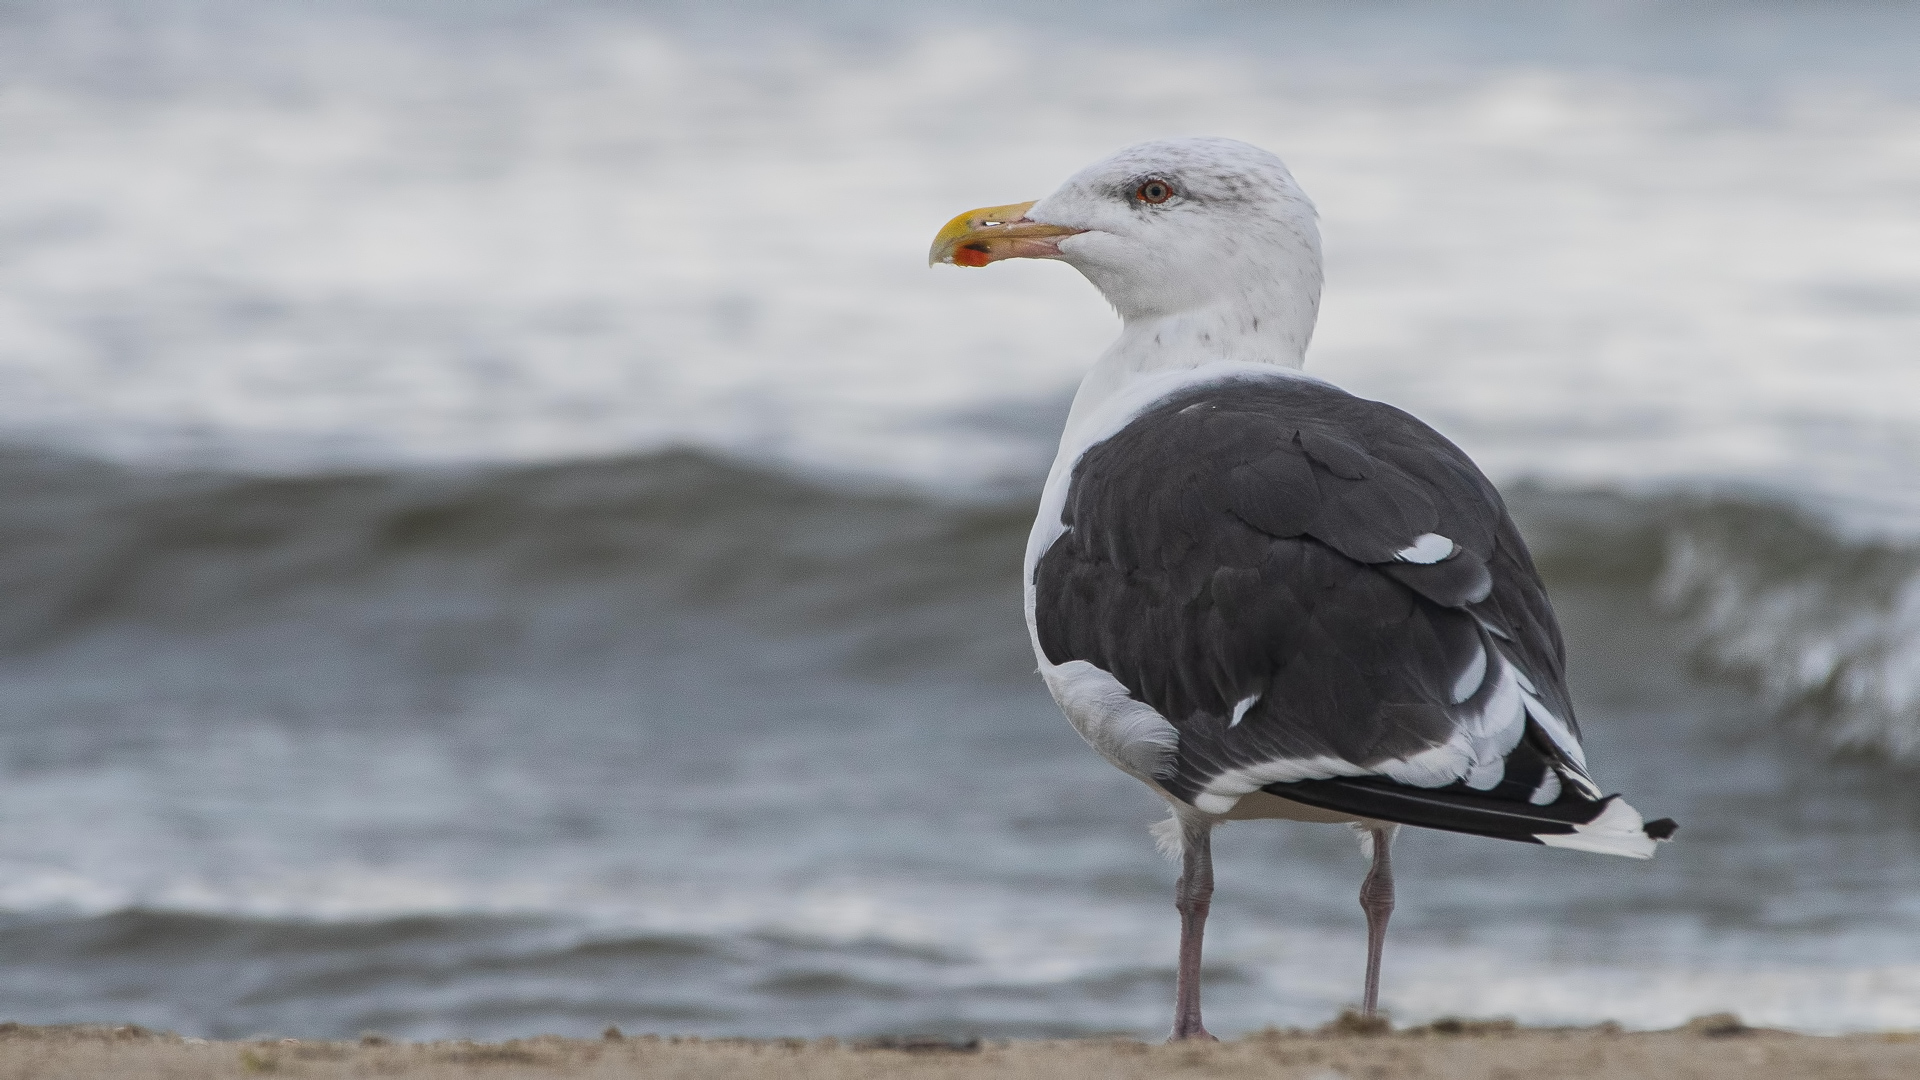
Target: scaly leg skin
1192, 897
1376, 899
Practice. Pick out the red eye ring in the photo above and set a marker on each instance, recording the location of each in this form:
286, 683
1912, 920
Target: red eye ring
1154, 192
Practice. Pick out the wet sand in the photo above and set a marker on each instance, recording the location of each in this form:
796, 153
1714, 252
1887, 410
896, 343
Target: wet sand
1711, 1048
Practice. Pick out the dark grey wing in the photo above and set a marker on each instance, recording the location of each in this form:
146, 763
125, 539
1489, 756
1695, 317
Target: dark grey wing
1311, 586
1516, 608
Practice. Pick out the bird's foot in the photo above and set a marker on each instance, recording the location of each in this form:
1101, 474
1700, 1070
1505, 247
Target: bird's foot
1196, 1033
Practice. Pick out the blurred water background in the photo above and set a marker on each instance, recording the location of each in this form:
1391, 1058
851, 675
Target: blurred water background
501, 532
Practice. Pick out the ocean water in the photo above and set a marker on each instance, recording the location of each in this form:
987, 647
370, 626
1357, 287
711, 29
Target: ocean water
502, 533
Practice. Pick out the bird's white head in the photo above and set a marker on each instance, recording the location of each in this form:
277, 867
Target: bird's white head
1207, 242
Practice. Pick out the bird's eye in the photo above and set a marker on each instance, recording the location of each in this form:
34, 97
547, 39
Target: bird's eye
1154, 191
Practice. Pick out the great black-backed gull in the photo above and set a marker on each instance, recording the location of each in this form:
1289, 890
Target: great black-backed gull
1263, 596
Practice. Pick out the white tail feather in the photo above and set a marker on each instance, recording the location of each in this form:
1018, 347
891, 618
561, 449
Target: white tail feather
1619, 830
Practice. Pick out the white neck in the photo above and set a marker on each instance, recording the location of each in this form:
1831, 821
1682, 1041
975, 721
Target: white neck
1219, 333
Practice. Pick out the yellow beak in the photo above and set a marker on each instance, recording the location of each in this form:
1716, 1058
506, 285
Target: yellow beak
992, 233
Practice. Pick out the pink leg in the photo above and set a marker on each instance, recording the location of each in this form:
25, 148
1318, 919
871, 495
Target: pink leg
1376, 899
1191, 899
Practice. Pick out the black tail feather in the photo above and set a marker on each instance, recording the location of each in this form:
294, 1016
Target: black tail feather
1454, 809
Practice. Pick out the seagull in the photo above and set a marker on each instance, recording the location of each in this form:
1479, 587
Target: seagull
1259, 594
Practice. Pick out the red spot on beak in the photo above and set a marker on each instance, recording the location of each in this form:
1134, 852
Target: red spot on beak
972, 256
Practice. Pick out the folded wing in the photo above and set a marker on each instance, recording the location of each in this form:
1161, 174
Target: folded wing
1326, 599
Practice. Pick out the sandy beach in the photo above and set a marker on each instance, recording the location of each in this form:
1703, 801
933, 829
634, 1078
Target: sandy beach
1708, 1048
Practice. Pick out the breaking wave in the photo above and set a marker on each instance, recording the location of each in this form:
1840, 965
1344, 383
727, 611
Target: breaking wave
498, 564
1823, 628
455, 570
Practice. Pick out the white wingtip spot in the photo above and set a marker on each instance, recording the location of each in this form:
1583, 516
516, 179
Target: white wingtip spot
1618, 830
1240, 710
1427, 548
